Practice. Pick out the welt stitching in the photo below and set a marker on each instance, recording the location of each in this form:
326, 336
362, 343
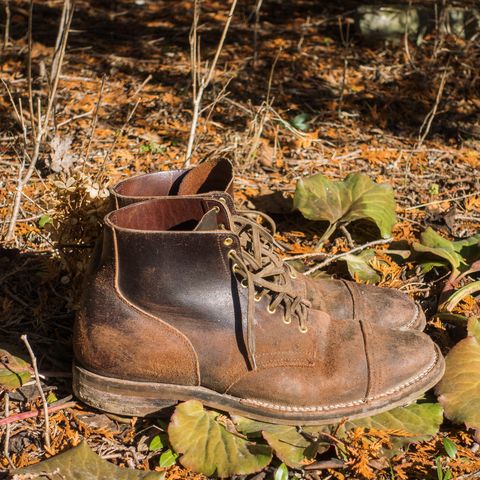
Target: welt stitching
337, 406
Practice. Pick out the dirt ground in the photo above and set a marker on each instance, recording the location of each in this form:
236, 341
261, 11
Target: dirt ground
124, 106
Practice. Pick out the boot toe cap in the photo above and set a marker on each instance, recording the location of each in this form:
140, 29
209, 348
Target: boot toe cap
401, 364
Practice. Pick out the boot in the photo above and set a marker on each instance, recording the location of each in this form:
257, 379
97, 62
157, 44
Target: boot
176, 310
341, 299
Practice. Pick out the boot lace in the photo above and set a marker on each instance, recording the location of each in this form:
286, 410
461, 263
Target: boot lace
264, 274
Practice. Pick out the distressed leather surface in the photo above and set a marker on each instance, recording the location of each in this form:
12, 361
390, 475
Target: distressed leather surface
339, 298
162, 304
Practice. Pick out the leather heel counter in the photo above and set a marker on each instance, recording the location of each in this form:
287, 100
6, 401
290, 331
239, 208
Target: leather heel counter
114, 338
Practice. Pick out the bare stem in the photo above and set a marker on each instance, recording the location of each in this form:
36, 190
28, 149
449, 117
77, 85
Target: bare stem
427, 123
6, 32
334, 258
29, 68
6, 444
40, 389
258, 7
205, 81
42, 122
94, 122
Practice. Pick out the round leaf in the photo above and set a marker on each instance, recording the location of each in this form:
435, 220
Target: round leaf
415, 423
291, 446
358, 197
207, 447
459, 390
80, 463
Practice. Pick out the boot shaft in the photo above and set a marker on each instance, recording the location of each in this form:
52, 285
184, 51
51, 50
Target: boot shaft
212, 178
171, 257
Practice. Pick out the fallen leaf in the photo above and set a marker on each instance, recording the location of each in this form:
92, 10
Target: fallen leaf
459, 390
207, 447
289, 445
80, 463
415, 423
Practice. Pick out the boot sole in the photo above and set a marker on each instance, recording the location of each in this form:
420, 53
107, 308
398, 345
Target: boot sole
140, 399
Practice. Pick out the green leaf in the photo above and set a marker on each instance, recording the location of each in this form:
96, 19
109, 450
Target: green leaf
434, 244
207, 447
281, 473
51, 398
359, 266
419, 422
459, 389
460, 294
44, 219
289, 445
302, 121
450, 447
446, 253
167, 459
358, 197
80, 463
157, 443
14, 371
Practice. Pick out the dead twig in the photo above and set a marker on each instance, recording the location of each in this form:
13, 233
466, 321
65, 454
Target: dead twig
334, 258
258, 6
6, 32
43, 122
427, 123
6, 444
199, 86
94, 123
40, 389
436, 202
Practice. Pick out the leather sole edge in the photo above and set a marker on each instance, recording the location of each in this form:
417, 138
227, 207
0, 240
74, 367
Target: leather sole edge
139, 399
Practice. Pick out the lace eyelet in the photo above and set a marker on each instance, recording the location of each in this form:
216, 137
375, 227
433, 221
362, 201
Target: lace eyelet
216, 209
235, 268
270, 310
243, 283
292, 274
257, 298
286, 321
222, 200
231, 253
228, 241
303, 329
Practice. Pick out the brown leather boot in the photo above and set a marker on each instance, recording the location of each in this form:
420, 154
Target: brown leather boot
341, 299
175, 310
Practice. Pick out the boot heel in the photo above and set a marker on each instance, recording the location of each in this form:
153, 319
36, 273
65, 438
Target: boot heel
113, 395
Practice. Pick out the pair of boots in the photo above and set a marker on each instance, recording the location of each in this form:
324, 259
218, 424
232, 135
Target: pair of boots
187, 299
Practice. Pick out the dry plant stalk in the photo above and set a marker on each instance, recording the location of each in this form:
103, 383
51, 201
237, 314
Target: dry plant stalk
39, 124
40, 389
427, 123
6, 444
200, 83
6, 31
258, 7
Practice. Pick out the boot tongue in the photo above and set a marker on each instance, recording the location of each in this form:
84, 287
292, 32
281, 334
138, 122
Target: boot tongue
213, 175
208, 222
